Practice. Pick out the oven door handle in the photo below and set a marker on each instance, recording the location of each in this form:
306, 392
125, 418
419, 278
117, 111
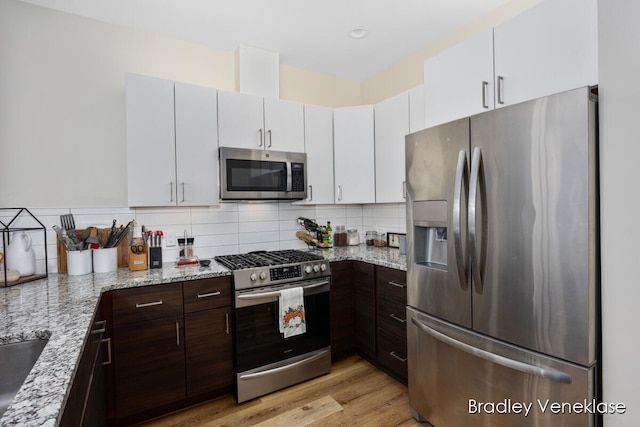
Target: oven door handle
310, 359
277, 293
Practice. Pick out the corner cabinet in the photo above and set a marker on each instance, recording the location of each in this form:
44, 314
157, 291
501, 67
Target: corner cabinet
549, 48
171, 143
250, 121
354, 154
391, 126
318, 142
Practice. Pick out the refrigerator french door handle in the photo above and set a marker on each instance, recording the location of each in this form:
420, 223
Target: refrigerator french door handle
457, 219
551, 374
473, 198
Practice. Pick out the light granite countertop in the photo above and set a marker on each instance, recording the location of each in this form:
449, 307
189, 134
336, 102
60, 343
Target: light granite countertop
61, 307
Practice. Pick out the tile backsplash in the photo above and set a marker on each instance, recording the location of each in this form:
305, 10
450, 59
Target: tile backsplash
218, 230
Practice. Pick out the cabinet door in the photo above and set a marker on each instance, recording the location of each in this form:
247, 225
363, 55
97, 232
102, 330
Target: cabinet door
354, 154
318, 141
151, 179
342, 309
458, 82
365, 304
283, 125
149, 364
391, 126
547, 49
196, 119
208, 350
240, 120
416, 109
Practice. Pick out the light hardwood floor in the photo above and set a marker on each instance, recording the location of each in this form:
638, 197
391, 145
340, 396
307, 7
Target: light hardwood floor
355, 393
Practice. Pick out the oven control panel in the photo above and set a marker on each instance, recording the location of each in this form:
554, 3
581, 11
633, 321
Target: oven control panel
261, 276
282, 273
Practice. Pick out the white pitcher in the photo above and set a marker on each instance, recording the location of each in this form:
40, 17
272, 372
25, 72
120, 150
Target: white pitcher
20, 255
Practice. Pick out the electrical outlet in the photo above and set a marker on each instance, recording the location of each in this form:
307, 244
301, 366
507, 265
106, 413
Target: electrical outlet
171, 240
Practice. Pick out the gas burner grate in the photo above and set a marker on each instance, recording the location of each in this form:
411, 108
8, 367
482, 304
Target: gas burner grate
263, 259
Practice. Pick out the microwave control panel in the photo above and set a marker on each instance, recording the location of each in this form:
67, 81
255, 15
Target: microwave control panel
297, 177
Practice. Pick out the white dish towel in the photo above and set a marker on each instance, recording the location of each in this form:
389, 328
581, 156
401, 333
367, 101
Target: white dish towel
292, 320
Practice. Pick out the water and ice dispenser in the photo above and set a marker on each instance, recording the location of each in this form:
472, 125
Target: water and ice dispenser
430, 233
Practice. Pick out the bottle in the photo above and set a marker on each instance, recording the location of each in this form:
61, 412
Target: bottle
328, 231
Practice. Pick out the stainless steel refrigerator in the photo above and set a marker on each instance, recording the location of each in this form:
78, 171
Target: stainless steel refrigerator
502, 264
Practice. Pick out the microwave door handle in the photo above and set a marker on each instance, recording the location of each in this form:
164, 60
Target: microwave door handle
289, 178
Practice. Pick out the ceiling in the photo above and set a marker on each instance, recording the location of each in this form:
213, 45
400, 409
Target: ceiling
312, 35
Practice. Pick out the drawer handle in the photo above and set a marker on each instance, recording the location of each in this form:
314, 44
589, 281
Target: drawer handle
397, 285
394, 317
209, 294
402, 359
149, 304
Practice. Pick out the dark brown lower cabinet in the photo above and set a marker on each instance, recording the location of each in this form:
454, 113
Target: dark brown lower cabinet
149, 360
391, 290
342, 308
365, 307
208, 350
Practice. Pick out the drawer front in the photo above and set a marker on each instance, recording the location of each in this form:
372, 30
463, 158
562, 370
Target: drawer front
392, 284
147, 303
392, 352
392, 316
206, 294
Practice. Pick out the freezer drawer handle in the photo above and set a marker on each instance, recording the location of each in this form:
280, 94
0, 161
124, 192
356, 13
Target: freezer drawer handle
457, 219
548, 373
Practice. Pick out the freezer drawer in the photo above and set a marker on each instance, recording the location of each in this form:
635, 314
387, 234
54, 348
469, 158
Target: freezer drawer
460, 378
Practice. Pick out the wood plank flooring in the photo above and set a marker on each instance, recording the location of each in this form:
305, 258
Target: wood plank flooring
355, 393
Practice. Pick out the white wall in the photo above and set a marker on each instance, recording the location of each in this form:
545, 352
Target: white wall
619, 95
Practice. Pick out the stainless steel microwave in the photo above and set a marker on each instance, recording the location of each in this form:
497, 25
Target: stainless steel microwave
247, 174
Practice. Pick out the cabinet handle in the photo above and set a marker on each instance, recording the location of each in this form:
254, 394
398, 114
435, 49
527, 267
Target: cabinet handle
397, 285
102, 325
485, 102
182, 192
177, 333
310, 198
171, 191
261, 142
339, 193
108, 341
500, 90
402, 359
270, 138
209, 294
226, 323
394, 317
149, 304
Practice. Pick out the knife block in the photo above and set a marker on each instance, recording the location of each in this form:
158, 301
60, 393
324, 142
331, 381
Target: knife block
139, 261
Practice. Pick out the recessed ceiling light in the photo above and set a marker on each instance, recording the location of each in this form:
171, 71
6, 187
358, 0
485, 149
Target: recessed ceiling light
358, 32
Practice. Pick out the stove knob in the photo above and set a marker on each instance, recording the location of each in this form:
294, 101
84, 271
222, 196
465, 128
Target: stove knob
262, 275
307, 269
253, 277
323, 267
316, 268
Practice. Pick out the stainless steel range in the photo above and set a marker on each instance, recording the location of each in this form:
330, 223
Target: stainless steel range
265, 360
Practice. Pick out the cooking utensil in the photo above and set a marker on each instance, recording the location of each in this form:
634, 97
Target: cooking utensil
69, 224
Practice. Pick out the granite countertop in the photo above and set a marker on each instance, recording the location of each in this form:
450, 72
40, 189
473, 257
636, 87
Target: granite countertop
61, 307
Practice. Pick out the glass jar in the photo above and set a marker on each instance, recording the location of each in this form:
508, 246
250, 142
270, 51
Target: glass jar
380, 240
370, 237
340, 236
353, 238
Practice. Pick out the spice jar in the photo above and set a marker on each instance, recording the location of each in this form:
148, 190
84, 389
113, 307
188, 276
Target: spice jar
340, 236
380, 240
353, 238
370, 237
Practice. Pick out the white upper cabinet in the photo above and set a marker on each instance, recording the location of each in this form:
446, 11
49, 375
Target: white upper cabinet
318, 125
171, 143
353, 146
549, 48
458, 82
416, 109
391, 126
196, 145
250, 121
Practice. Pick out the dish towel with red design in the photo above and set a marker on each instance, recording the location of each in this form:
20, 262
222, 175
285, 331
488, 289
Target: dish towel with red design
292, 320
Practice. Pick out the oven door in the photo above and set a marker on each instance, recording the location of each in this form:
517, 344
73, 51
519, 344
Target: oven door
258, 340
